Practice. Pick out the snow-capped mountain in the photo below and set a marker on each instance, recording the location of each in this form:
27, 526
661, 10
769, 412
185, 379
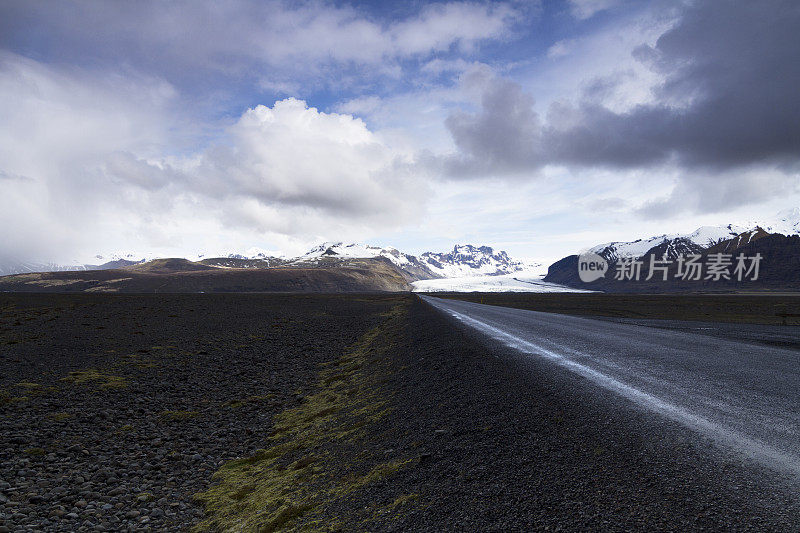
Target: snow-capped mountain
118, 260
122, 256
26, 267
329, 253
786, 222
670, 244
464, 260
252, 253
467, 260
339, 250
98, 262
460, 262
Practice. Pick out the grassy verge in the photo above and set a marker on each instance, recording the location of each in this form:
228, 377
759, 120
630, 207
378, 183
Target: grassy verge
318, 455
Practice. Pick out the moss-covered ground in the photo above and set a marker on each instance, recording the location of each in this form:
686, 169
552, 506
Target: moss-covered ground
315, 457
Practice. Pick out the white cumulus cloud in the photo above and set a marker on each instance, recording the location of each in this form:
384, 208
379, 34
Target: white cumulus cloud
90, 163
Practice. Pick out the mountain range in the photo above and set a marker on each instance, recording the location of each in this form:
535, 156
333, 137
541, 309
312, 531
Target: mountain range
778, 243
329, 267
338, 266
462, 260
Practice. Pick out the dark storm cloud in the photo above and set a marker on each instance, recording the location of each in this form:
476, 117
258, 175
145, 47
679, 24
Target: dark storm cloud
504, 136
729, 100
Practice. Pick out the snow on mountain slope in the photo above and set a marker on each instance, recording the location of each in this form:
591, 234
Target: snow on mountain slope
253, 253
497, 283
122, 257
463, 261
786, 222
467, 260
707, 236
674, 244
26, 267
340, 250
329, 253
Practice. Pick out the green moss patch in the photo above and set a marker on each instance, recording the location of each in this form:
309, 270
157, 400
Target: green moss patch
36, 452
96, 377
33, 389
405, 499
138, 360
315, 461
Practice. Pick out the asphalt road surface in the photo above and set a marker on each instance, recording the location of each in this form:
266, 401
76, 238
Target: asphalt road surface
745, 396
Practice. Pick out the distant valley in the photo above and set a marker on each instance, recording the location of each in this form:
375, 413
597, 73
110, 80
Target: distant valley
329, 267
354, 267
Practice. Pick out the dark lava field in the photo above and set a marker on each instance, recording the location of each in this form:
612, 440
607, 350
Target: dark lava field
256, 412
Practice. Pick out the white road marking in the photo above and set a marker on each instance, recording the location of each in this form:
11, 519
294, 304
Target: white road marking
749, 446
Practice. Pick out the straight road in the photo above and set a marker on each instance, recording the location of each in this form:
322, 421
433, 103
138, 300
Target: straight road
744, 396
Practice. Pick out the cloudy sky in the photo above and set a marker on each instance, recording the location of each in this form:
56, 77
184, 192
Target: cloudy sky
182, 127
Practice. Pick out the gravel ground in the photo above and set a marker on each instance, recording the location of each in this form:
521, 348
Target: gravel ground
477, 438
175, 386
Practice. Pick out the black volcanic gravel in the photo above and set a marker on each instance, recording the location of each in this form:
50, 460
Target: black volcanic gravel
513, 443
79, 457
497, 442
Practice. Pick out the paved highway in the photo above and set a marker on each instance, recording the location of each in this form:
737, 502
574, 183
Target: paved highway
744, 396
